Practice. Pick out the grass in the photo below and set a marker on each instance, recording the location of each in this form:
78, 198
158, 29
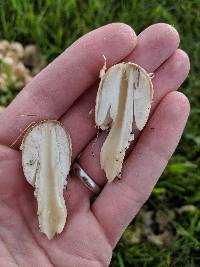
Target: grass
53, 25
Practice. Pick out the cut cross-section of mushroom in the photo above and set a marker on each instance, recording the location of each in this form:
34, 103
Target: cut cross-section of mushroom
46, 159
123, 103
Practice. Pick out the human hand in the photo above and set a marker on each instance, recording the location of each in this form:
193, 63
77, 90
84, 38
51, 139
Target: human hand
65, 91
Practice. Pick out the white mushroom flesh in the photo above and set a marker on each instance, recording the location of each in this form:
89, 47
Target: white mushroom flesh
46, 160
123, 103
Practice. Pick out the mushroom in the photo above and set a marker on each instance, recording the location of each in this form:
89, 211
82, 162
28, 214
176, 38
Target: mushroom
123, 104
46, 159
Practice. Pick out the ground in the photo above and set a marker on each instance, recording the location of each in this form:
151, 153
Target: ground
167, 231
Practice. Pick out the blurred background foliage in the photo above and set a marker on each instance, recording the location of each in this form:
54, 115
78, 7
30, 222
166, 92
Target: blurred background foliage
167, 230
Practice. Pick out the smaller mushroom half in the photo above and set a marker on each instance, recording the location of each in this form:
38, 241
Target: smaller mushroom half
46, 159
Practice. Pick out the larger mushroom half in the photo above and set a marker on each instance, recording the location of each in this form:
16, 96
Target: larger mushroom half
123, 104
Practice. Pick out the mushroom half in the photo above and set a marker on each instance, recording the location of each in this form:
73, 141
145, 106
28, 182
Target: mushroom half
123, 104
46, 159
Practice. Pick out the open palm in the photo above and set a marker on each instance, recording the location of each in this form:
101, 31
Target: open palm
65, 91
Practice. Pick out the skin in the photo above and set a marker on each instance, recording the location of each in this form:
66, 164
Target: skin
66, 90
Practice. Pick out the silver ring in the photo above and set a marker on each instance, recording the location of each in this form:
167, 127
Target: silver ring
85, 179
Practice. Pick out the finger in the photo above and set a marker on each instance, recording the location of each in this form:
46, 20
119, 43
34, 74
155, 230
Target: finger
120, 201
55, 88
79, 121
10, 172
168, 78
78, 116
170, 75
155, 44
